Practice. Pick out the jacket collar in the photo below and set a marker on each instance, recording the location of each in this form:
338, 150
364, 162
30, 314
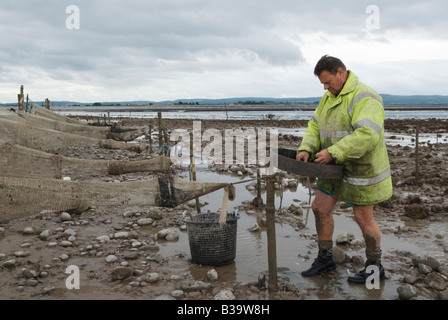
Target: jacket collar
350, 84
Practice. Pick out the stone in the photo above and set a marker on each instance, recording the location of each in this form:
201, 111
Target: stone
120, 273
407, 291
225, 294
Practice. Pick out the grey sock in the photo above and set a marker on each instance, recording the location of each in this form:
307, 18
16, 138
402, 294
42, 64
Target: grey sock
325, 247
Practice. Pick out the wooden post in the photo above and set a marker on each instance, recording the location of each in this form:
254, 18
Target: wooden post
258, 202
270, 224
20, 98
193, 170
150, 138
108, 118
47, 104
416, 155
27, 101
165, 136
159, 114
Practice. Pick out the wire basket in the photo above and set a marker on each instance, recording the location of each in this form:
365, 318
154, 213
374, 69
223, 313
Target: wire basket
212, 243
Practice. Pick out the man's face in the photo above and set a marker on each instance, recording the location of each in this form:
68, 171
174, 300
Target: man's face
333, 82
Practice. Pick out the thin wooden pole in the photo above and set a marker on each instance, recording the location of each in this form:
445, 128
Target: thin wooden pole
159, 115
21, 98
193, 170
416, 155
150, 138
258, 200
270, 224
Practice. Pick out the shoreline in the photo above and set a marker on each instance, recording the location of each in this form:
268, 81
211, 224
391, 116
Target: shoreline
228, 108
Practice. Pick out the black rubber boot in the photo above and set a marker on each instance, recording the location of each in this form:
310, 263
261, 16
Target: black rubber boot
362, 275
323, 263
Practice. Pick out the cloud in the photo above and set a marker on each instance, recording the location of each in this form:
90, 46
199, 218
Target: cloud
168, 49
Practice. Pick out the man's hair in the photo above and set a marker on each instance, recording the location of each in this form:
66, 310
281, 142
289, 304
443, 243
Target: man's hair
330, 64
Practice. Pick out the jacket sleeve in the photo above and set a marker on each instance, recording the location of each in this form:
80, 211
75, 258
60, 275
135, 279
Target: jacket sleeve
311, 139
368, 125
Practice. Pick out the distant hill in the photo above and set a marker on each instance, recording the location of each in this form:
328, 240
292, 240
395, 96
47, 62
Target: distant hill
414, 100
388, 99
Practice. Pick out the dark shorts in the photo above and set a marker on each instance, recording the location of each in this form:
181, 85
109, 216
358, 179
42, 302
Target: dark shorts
331, 194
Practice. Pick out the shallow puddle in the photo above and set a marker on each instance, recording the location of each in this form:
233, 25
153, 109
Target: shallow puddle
292, 245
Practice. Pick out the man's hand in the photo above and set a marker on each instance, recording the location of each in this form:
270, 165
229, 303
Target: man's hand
323, 157
303, 156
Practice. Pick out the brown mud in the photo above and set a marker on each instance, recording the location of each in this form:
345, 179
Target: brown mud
35, 252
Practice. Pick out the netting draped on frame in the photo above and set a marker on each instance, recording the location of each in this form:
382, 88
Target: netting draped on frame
27, 196
19, 160
20, 131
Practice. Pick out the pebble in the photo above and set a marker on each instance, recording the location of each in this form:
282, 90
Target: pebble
69, 232
111, 258
22, 254
212, 275
9, 264
64, 257
225, 294
152, 277
28, 230
121, 235
177, 293
169, 234
65, 216
407, 291
339, 255
66, 243
120, 273
145, 221
44, 234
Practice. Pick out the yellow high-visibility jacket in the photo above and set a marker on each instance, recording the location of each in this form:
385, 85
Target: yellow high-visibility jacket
351, 127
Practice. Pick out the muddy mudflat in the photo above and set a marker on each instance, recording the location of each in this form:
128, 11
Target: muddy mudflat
142, 253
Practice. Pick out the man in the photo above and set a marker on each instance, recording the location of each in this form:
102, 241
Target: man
347, 128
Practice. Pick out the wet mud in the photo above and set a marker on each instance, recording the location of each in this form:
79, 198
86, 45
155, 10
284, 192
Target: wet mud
121, 253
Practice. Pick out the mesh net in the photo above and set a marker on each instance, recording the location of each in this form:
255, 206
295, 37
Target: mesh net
68, 127
31, 169
19, 160
25, 133
27, 196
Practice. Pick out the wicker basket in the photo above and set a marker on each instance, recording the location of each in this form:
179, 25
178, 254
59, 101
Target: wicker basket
210, 242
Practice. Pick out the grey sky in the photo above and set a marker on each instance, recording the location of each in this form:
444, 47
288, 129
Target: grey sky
167, 49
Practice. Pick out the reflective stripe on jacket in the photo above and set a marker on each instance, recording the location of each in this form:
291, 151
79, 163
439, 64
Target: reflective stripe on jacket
351, 127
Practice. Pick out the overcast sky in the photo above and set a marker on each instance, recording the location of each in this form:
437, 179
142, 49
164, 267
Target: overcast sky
180, 49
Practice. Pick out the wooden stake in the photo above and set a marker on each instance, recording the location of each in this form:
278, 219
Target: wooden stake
416, 155
150, 139
20, 98
193, 170
159, 115
258, 202
270, 224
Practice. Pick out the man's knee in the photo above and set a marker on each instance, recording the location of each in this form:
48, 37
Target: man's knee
321, 211
363, 215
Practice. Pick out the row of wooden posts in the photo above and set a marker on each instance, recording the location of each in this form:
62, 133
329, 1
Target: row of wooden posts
23, 105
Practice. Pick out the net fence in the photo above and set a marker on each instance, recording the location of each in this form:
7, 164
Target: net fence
32, 167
